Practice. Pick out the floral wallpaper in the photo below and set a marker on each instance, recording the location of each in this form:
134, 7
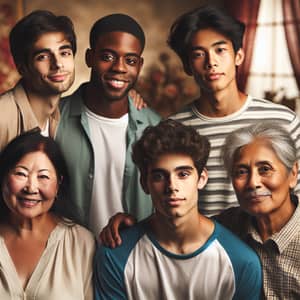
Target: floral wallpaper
8, 17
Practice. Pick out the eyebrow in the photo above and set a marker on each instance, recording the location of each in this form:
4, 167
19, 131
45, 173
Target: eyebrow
25, 168
20, 166
179, 168
48, 50
258, 163
116, 54
218, 43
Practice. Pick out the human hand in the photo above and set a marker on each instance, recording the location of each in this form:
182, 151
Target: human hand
109, 236
138, 100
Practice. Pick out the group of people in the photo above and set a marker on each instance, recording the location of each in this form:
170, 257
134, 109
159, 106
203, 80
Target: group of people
70, 166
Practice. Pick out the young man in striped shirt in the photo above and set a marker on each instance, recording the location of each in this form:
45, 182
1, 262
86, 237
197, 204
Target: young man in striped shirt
209, 44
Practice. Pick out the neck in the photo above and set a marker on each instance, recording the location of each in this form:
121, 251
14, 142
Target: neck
221, 103
25, 227
271, 223
43, 106
181, 235
98, 104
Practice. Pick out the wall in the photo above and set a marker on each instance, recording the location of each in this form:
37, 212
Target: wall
155, 16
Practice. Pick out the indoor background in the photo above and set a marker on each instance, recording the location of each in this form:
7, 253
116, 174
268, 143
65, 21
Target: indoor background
271, 69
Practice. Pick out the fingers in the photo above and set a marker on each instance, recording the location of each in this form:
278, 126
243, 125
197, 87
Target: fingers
138, 100
110, 236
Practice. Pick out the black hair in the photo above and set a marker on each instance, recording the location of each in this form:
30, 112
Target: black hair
203, 17
29, 142
170, 136
28, 30
117, 22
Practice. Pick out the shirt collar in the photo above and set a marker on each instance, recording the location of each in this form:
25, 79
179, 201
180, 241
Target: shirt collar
77, 106
282, 238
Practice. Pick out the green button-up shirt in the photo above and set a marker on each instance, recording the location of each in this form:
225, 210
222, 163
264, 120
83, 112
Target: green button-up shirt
73, 135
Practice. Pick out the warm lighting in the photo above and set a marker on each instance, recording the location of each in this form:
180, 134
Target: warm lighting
271, 69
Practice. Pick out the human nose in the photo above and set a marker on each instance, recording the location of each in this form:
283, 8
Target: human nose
211, 61
119, 65
254, 180
171, 185
31, 186
56, 62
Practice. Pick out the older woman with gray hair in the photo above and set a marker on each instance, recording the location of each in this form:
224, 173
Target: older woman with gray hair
262, 163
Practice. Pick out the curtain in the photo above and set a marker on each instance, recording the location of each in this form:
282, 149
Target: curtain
291, 17
246, 11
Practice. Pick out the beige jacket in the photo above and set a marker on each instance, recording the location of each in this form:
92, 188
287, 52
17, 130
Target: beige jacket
16, 115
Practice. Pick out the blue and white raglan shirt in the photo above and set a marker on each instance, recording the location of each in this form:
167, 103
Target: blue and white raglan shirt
223, 268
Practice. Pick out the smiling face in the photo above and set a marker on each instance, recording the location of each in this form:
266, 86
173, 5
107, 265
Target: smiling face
50, 68
261, 181
212, 60
31, 186
116, 63
173, 183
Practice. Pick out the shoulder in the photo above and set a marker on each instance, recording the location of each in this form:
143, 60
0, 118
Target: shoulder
245, 263
269, 105
235, 220
72, 99
146, 115
130, 237
7, 100
233, 245
79, 236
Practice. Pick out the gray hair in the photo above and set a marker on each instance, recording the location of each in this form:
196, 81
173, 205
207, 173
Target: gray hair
276, 136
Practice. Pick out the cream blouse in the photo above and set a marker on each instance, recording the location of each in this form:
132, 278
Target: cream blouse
64, 270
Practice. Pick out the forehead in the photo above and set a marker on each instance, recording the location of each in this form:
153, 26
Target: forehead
51, 41
119, 42
207, 38
172, 161
36, 159
256, 151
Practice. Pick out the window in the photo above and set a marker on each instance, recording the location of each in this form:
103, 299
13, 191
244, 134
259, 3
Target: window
271, 69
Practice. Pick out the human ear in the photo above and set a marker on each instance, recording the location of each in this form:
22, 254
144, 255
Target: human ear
141, 63
202, 179
88, 57
293, 176
143, 181
239, 57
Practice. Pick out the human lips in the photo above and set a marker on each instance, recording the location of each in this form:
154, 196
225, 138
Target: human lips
214, 76
27, 202
58, 77
174, 201
116, 83
256, 196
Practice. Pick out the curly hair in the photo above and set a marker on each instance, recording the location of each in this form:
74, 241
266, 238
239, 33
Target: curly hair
170, 136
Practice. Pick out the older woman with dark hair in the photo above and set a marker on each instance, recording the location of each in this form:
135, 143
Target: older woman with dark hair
262, 163
43, 253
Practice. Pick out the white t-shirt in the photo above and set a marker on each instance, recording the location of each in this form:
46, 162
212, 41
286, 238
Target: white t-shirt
108, 137
45, 131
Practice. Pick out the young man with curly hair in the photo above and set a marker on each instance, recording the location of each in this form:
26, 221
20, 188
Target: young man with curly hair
183, 254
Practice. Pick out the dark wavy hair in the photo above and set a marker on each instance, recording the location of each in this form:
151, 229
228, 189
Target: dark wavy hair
203, 17
29, 142
28, 30
169, 136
